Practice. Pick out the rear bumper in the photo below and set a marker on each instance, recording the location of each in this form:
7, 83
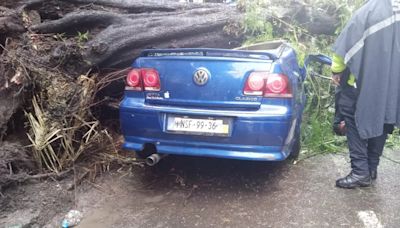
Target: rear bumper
241, 152
266, 134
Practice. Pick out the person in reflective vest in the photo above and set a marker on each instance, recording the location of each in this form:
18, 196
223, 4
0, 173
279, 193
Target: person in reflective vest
365, 66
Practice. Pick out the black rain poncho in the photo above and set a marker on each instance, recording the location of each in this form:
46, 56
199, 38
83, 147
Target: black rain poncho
370, 46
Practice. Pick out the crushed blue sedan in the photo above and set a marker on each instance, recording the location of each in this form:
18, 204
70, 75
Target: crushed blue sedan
243, 104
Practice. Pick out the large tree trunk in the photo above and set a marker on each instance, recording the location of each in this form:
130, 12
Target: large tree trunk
119, 29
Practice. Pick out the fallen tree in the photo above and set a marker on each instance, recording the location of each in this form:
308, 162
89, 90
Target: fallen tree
49, 44
89, 34
118, 30
56, 58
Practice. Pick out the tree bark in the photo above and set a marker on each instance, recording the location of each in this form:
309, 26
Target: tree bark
124, 27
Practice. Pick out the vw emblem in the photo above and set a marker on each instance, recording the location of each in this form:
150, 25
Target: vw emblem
201, 77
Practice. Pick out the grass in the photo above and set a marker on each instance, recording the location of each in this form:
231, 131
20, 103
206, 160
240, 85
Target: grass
393, 141
317, 134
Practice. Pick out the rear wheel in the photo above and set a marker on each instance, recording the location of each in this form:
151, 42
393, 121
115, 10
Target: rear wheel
294, 154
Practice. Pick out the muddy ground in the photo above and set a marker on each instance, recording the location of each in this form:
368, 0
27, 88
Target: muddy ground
202, 192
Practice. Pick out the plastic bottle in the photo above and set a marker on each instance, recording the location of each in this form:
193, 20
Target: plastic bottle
71, 219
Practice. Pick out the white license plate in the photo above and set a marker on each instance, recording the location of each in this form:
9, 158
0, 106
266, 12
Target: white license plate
199, 126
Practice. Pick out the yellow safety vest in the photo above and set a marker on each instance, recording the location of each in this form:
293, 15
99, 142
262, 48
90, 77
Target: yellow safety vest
338, 66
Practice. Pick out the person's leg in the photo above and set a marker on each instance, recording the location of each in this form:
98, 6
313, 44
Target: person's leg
375, 148
357, 148
359, 176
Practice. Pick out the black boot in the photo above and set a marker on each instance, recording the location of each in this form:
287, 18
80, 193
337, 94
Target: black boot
352, 181
374, 174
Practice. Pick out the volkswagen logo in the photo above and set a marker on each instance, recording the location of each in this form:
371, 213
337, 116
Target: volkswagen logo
200, 77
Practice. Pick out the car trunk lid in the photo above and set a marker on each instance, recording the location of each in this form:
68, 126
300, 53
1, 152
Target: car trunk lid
204, 78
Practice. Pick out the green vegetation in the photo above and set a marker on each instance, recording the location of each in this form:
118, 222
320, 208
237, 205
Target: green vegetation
345, 9
83, 36
393, 141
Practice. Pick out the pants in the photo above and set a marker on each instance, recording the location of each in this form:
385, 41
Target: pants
364, 153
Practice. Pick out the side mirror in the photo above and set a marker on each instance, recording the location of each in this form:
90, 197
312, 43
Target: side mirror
323, 59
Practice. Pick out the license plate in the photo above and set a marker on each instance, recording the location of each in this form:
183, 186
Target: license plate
202, 126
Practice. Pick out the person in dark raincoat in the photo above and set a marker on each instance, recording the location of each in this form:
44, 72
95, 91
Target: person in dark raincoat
366, 64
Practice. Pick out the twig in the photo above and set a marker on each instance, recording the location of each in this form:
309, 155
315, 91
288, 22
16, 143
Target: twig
96, 186
316, 154
24, 177
312, 73
194, 187
10, 168
73, 165
306, 157
122, 160
46, 175
292, 26
111, 140
78, 180
390, 159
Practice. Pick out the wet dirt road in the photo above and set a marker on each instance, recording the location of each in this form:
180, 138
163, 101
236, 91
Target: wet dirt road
192, 192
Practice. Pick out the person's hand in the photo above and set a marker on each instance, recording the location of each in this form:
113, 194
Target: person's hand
336, 79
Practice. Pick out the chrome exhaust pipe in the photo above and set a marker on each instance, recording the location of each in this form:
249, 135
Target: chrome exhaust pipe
153, 159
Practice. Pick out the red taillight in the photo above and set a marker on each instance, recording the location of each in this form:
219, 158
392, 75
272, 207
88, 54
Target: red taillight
151, 79
134, 80
277, 85
267, 85
255, 84
143, 79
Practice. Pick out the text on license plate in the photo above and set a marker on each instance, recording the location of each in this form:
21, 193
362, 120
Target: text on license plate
216, 126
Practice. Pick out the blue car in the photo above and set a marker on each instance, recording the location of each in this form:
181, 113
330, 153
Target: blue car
243, 104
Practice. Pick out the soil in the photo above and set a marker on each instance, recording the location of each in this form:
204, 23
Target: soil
14, 161
203, 192
35, 204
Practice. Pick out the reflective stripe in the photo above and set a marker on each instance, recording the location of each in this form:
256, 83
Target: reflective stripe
370, 31
396, 6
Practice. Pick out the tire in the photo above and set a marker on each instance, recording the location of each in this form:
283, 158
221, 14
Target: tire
295, 152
